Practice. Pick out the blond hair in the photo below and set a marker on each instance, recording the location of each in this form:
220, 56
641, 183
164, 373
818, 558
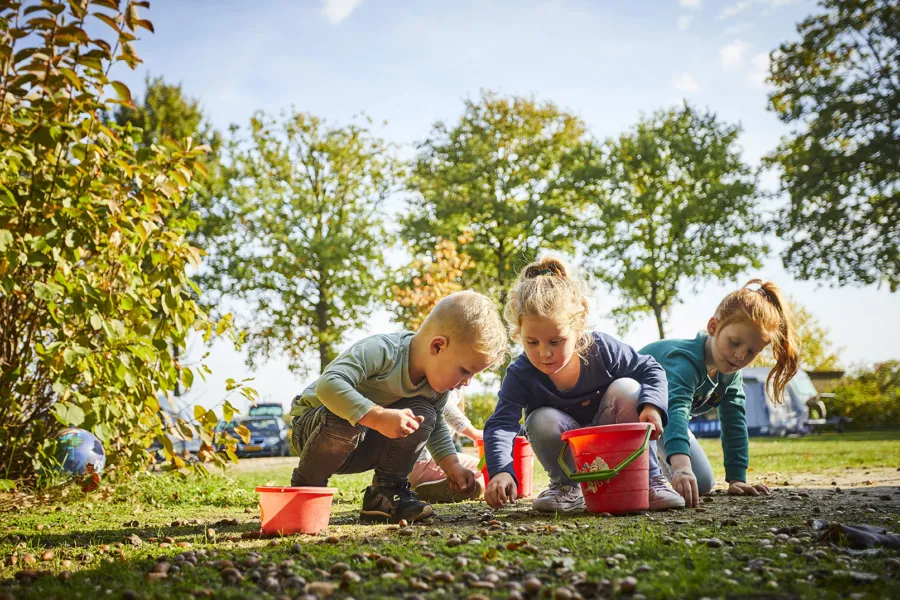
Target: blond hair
546, 289
470, 318
762, 304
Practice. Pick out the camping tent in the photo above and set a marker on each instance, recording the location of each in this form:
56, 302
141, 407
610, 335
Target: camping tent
764, 417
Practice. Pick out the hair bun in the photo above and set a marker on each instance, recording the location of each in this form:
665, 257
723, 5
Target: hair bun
546, 266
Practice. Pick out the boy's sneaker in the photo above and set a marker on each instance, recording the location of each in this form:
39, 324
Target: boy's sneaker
560, 498
381, 504
440, 491
662, 495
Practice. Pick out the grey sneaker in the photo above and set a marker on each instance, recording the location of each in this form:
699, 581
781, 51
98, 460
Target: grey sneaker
662, 495
560, 498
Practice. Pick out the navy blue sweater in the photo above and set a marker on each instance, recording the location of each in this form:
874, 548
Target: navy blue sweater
526, 388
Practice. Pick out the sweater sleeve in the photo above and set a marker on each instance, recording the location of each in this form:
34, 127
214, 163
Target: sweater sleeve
625, 361
502, 427
735, 441
336, 387
681, 399
456, 419
439, 443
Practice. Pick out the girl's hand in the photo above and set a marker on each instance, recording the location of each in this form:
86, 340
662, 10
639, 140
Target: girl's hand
685, 483
739, 488
472, 433
501, 490
652, 415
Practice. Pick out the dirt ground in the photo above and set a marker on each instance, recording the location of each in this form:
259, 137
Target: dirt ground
848, 477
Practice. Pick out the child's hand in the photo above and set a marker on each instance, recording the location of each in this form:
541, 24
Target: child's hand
501, 490
461, 479
392, 423
652, 415
739, 488
685, 483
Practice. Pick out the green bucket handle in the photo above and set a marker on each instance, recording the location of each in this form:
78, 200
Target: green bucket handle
482, 462
601, 475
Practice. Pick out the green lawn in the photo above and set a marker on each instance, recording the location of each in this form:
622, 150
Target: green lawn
584, 555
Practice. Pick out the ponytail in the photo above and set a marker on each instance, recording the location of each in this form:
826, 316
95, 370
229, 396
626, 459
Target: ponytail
763, 304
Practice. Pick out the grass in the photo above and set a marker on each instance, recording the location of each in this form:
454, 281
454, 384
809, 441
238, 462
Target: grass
662, 551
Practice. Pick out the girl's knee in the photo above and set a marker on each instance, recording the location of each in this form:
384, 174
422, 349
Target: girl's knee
624, 391
544, 423
706, 481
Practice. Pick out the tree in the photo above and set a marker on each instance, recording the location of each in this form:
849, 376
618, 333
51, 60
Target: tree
93, 267
500, 173
817, 352
840, 86
423, 283
304, 251
674, 206
167, 115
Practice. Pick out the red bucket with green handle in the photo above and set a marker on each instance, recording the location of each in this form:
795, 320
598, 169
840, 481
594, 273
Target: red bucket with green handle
612, 465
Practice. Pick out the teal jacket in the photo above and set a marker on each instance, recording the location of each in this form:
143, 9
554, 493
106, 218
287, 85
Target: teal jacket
692, 392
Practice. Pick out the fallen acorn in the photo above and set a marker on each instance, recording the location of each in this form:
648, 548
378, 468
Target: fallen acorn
154, 577
533, 585
321, 588
339, 568
47, 556
232, 575
628, 585
65, 563
350, 577
562, 593
160, 567
28, 559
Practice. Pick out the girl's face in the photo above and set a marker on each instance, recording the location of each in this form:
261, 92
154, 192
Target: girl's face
734, 346
549, 345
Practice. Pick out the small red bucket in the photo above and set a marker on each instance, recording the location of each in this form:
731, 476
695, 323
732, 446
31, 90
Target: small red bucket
612, 465
290, 510
523, 465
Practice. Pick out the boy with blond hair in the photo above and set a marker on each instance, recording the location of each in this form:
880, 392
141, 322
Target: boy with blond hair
381, 401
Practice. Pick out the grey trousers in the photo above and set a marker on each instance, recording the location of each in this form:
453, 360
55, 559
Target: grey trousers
703, 471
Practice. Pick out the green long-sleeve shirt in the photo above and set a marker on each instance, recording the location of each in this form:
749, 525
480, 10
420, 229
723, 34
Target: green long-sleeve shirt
692, 392
374, 371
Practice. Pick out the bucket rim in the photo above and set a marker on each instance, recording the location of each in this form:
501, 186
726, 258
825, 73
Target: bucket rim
600, 429
322, 491
524, 439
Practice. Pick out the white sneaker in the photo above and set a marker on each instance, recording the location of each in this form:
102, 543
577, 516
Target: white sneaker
560, 498
662, 495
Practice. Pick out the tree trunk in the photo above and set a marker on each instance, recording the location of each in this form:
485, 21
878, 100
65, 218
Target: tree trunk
657, 312
322, 326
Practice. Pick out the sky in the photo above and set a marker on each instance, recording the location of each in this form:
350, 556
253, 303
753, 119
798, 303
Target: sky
408, 64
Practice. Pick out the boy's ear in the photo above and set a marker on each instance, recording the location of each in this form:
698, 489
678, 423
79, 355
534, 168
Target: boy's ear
438, 345
712, 326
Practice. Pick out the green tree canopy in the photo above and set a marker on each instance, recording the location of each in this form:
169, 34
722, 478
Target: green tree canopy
674, 206
302, 241
840, 86
499, 174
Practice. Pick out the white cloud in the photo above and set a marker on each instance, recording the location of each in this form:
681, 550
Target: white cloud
691, 4
684, 21
734, 9
759, 70
338, 10
738, 28
732, 55
685, 82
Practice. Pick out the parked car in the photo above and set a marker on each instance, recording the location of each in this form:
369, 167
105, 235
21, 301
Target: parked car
266, 409
269, 436
184, 446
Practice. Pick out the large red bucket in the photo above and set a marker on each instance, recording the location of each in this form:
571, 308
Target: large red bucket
612, 465
523, 465
289, 510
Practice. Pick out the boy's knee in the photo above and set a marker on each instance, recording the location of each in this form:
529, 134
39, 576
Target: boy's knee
425, 409
545, 423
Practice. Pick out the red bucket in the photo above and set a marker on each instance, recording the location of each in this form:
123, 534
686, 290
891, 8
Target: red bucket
290, 510
523, 465
612, 465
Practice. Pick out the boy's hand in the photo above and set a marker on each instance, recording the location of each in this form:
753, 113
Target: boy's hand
652, 415
501, 490
390, 422
462, 480
739, 488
